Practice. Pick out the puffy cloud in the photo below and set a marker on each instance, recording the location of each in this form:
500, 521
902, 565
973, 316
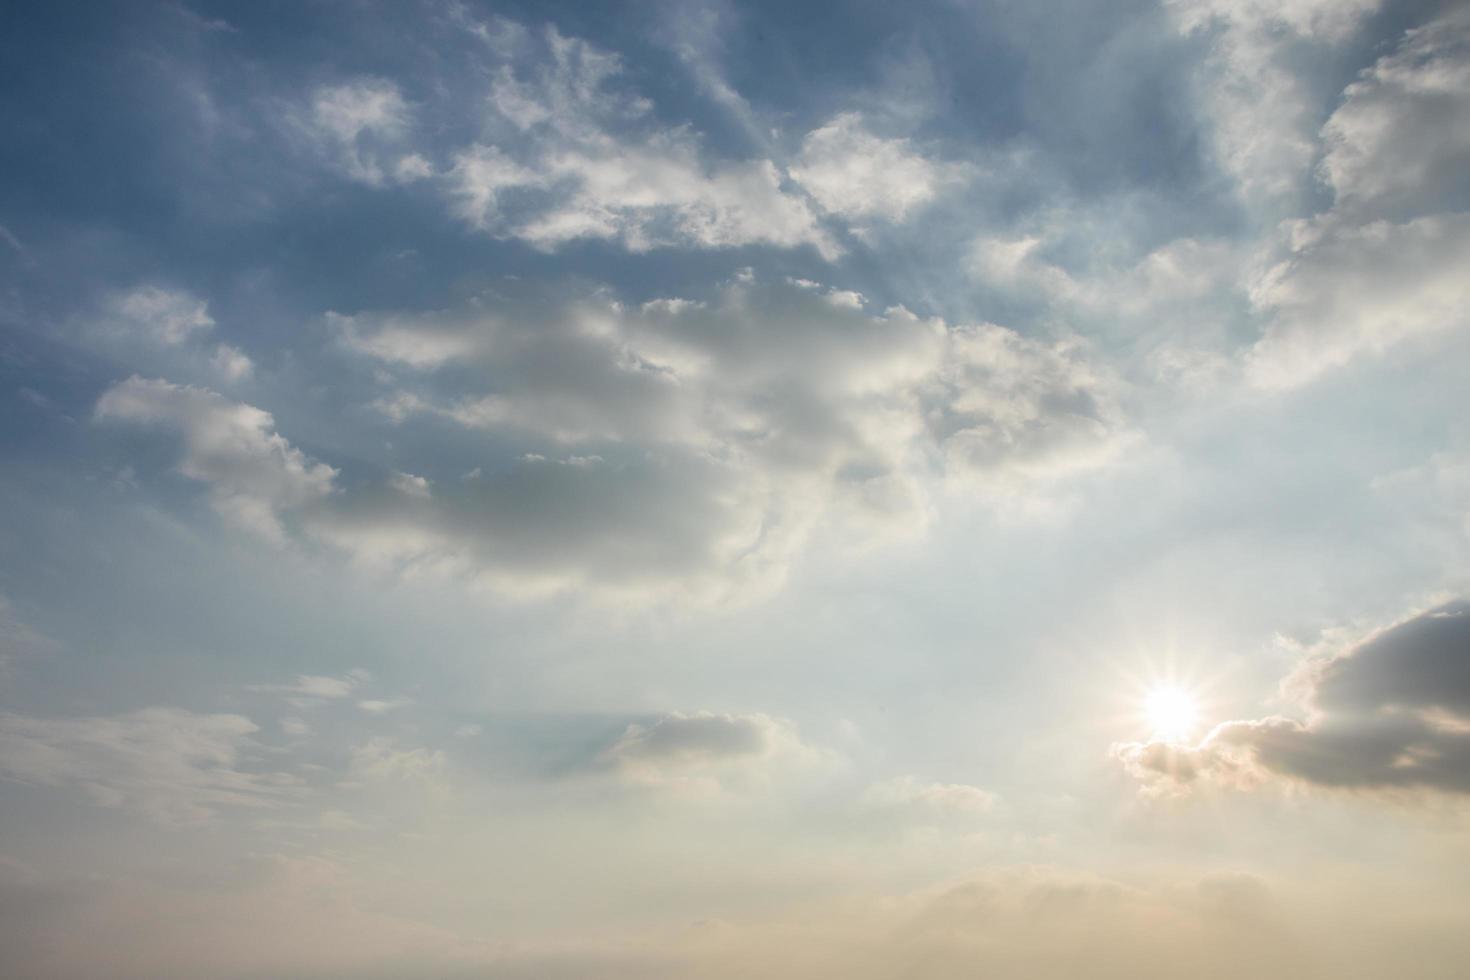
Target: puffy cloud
363, 125
707, 752
686, 445
1386, 263
1344, 291
231, 363
168, 317
169, 764
253, 473
852, 173
1008, 408
1400, 141
579, 160
1391, 713
1259, 106
149, 321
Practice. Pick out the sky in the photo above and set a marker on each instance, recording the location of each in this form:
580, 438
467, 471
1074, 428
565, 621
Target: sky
715, 490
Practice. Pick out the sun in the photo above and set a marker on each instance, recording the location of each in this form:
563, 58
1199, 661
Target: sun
1172, 713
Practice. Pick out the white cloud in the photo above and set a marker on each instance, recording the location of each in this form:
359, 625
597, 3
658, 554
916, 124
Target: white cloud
704, 753
231, 363
1386, 263
740, 423
253, 473
583, 162
168, 317
684, 446
909, 791
1399, 144
363, 125
852, 173
381, 760
172, 765
381, 706
328, 688
1344, 290
1261, 110
1004, 408
411, 486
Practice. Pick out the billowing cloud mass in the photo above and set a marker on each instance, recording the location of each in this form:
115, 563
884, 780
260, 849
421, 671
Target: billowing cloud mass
1386, 263
1391, 713
678, 441
253, 473
706, 438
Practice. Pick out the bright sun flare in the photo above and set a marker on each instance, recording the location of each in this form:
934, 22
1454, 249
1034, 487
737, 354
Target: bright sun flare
1172, 713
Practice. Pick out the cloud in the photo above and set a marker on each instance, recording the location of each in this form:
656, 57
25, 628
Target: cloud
381, 760
1346, 291
681, 445
1256, 100
1386, 263
909, 791
18, 639
363, 125
1391, 713
254, 474
1009, 410
704, 752
172, 765
701, 441
149, 320
579, 158
381, 706
1400, 141
167, 317
852, 173
231, 363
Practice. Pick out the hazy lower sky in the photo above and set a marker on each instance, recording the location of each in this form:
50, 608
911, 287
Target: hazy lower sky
697, 489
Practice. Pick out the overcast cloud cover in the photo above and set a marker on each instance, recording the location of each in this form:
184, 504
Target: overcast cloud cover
715, 489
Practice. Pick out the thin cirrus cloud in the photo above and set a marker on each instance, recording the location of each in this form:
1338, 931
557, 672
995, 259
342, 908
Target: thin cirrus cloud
582, 160
169, 764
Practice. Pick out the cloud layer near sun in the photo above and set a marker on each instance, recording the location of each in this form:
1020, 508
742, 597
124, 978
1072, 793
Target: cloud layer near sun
1392, 713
